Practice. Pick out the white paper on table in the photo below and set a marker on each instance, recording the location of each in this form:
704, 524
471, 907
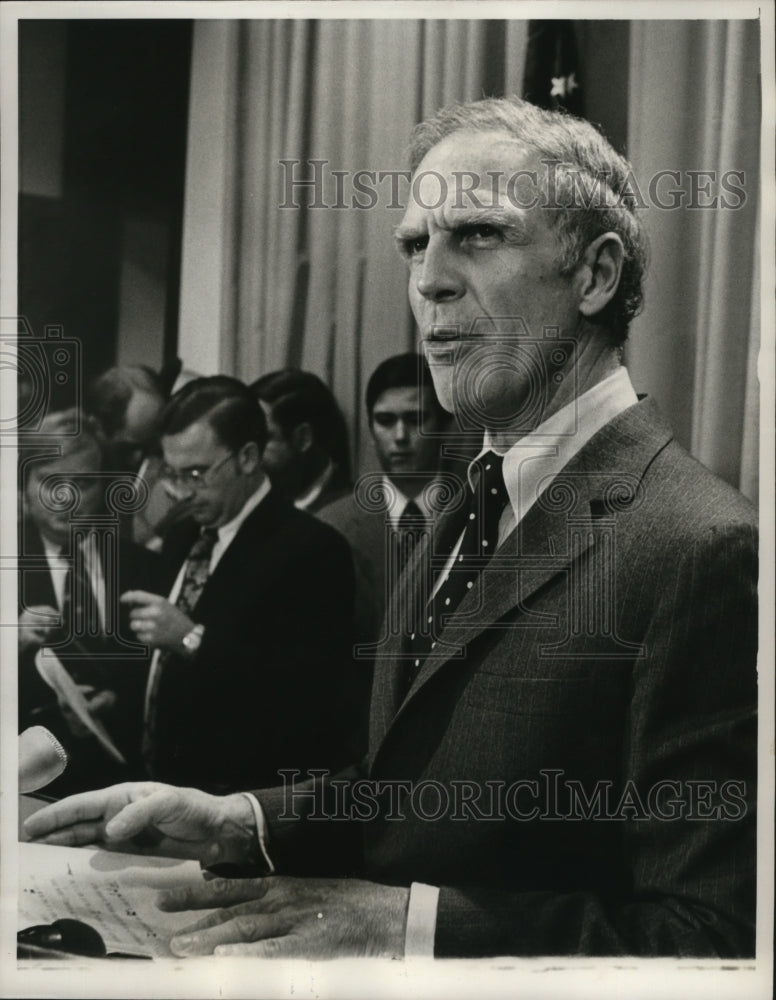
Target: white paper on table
113, 893
54, 673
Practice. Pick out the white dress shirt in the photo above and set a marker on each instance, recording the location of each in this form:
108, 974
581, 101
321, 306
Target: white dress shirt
59, 567
535, 459
397, 501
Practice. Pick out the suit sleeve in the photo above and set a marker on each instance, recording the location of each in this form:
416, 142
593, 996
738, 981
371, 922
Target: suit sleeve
690, 882
302, 838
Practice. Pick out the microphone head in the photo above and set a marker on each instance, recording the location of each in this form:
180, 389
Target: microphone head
42, 758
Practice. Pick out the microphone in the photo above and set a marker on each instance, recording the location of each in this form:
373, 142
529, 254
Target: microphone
62, 936
42, 758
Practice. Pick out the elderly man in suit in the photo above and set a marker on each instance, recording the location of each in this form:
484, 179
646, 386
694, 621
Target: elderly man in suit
562, 761
252, 641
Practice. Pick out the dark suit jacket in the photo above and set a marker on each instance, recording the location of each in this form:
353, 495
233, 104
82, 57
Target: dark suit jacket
362, 518
264, 690
122, 669
612, 644
367, 533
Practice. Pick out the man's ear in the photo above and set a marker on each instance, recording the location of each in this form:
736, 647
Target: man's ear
599, 273
249, 458
302, 437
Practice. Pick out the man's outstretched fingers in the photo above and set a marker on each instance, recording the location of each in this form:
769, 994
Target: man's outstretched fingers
215, 892
287, 946
241, 929
145, 812
77, 835
68, 812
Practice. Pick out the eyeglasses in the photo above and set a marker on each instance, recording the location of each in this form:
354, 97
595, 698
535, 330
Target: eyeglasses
193, 478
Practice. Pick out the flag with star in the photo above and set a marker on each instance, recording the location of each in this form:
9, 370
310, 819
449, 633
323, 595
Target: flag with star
552, 72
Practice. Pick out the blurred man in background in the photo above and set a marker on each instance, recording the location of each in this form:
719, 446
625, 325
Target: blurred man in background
307, 456
71, 631
125, 403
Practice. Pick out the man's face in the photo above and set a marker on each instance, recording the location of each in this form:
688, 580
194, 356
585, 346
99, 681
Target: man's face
202, 468
281, 458
405, 429
131, 444
51, 488
484, 281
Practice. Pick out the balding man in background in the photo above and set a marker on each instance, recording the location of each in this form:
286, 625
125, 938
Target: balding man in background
125, 403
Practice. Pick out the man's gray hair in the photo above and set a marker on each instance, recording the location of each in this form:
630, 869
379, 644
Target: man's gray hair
587, 185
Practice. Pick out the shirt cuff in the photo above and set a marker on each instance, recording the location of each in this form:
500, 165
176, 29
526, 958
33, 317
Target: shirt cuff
421, 921
261, 830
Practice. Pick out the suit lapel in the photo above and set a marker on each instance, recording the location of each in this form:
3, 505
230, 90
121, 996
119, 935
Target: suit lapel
603, 478
247, 546
36, 585
390, 661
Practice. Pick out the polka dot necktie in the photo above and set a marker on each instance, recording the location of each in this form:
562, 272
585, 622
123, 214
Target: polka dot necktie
194, 579
478, 543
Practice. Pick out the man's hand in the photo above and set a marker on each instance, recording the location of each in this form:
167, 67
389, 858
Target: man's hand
146, 817
156, 621
280, 917
34, 631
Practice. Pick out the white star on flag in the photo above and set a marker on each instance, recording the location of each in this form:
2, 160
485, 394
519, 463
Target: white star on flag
564, 86
558, 86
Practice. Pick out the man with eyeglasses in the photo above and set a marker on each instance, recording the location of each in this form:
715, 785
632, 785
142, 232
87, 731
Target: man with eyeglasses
253, 640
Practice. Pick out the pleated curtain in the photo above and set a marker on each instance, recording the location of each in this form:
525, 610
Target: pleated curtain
323, 288
694, 106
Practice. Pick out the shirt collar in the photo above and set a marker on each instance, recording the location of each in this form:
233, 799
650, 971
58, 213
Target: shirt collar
227, 531
542, 453
396, 501
52, 550
308, 498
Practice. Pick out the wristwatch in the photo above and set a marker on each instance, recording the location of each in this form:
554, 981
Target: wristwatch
193, 640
